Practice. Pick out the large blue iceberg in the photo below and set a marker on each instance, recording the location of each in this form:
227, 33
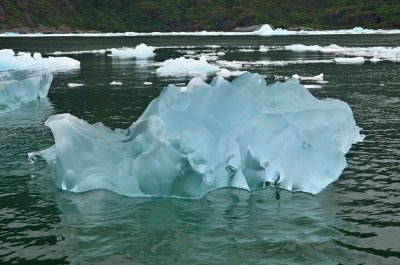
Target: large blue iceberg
18, 87
241, 134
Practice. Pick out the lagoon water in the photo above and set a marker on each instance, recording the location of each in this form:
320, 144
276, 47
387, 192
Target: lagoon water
355, 220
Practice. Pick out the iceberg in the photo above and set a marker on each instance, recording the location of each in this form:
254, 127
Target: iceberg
266, 30
26, 61
21, 87
183, 66
141, 51
243, 134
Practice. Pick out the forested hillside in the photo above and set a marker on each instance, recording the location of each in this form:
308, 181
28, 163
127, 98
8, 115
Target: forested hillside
191, 15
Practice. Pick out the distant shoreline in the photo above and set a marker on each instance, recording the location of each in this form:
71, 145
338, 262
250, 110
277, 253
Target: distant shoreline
260, 30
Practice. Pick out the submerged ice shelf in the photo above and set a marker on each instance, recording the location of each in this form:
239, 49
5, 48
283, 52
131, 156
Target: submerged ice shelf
21, 87
241, 134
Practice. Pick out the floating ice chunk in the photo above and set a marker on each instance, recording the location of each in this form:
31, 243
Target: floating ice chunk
116, 83
147, 83
242, 134
266, 30
25, 61
246, 50
21, 87
263, 48
312, 86
230, 64
378, 52
75, 85
319, 77
103, 51
354, 60
227, 73
240, 64
183, 66
374, 60
141, 51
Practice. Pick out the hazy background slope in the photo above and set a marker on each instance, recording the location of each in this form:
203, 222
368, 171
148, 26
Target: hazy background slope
190, 15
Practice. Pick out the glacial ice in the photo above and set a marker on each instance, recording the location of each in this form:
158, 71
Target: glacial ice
375, 53
241, 134
21, 87
319, 77
183, 66
266, 30
26, 61
141, 51
353, 60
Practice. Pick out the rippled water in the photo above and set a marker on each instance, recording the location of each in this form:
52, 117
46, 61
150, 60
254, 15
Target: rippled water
355, 220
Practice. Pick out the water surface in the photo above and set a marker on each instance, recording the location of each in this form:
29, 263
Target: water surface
355, 220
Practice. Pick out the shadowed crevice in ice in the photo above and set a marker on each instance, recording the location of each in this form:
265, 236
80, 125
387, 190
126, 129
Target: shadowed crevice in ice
241, 134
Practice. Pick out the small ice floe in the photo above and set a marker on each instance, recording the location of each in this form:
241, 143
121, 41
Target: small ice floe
26, 61
263, 48
354, 60
375, 60
103, 51
319, 77
184, 66
227, 73
312, 86
147, 83
116, 83
75, 84
141, 51
246, 50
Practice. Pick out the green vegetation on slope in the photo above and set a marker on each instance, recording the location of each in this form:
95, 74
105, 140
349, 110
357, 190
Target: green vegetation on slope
190, 15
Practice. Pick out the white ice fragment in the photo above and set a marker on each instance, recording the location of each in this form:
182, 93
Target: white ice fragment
354, 60
246, 50
263, 48
141, 51
227, 73
147, 83
37, 56
25, 61
116, 83
240, 134
319, 77
312, 86
103, 51
375, 60
183, 66
266, 30
75, 84
375, 53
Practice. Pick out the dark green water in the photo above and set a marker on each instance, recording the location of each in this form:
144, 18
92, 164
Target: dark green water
355, 220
